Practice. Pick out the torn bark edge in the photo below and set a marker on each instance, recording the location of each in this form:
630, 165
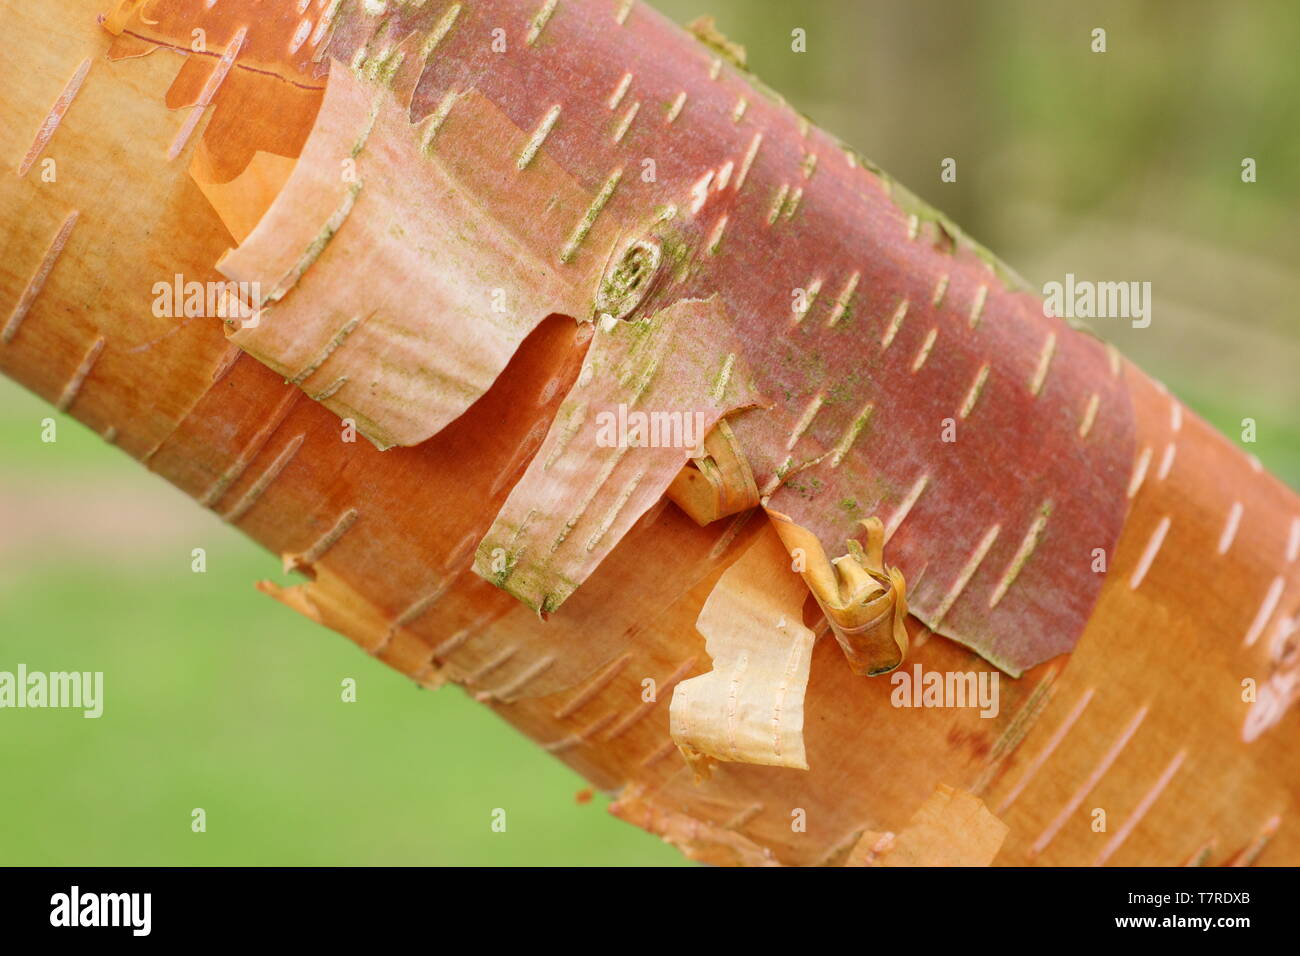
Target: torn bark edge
951, 828
114, 21
864, 601
699, 841
701, 763
717, 483
331, 602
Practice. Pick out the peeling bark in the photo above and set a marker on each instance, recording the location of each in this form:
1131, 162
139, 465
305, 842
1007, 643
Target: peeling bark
1122, 686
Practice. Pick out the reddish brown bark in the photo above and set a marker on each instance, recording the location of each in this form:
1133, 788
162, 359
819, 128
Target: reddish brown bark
1062, 448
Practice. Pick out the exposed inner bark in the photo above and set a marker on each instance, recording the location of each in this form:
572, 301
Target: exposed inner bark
1129, 692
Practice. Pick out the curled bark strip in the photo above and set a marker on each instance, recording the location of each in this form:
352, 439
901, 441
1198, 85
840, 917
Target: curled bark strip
643, 402
717, 484
535, 162
439, 312
333, 603
243, 201
864, 601
749, 708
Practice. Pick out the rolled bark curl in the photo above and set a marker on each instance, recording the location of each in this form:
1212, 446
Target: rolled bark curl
468, 229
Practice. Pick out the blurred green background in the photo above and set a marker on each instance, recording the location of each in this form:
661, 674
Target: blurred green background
1123, 165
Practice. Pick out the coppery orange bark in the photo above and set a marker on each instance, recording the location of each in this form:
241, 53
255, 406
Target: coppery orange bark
1119, 689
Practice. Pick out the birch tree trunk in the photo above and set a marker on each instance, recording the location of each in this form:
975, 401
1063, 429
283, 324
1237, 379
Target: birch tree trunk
471, 232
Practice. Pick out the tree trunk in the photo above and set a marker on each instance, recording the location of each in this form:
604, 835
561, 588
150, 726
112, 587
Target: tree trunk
473, 232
